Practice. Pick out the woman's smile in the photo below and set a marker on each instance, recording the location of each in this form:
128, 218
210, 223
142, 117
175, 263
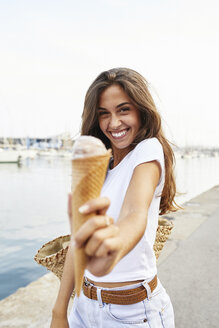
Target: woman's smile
119, 134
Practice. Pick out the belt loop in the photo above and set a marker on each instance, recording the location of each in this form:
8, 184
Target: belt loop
148, 289
99, 298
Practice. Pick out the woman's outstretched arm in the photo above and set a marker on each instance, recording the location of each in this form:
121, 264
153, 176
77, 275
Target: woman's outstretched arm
133, 216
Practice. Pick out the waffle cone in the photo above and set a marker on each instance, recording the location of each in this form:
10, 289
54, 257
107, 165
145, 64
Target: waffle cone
88, 175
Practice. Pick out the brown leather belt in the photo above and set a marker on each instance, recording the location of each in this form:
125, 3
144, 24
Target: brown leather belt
125, 296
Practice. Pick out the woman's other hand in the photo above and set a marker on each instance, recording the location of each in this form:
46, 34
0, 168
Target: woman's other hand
99, 236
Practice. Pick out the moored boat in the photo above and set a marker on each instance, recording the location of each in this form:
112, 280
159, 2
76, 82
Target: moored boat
9, 156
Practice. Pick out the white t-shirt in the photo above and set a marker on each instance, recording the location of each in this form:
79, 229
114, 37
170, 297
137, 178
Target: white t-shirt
140, 262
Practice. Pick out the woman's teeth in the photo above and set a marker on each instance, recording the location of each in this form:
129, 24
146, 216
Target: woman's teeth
119, 134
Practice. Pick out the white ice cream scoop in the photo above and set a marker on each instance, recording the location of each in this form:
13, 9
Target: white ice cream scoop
88, 146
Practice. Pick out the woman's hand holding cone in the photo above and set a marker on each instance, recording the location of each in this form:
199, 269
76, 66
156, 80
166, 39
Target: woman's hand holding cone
98, 235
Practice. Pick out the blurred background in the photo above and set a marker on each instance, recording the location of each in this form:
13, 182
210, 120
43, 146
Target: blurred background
50, 52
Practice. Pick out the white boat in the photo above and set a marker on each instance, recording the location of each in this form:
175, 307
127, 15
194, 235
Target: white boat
9, 156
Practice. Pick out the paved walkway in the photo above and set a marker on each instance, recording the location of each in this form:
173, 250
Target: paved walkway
188, 268
191, 273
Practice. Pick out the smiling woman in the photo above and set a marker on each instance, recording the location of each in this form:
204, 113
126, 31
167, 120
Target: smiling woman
120, 282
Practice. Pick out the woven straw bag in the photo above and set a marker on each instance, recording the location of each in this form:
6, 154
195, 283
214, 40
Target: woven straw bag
52, 254
163, 232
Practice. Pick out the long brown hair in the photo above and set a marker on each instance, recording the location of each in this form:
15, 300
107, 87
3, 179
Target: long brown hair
136, 88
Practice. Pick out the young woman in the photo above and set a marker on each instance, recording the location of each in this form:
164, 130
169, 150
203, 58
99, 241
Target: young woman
121, 287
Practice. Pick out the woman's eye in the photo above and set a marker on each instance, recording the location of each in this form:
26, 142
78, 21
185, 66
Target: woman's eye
125, 109
101, 113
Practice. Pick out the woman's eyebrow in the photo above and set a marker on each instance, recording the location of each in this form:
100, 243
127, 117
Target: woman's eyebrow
101, 108
125, 103
118, 106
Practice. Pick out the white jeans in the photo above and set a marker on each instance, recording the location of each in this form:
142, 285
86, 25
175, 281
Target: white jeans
155, 311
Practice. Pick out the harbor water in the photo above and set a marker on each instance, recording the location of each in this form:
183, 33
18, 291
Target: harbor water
33, 209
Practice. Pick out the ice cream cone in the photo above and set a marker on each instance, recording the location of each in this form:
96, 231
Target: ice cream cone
88, 175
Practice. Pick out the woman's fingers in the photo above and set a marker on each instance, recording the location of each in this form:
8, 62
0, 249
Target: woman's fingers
98, 205
99, 244
90, 227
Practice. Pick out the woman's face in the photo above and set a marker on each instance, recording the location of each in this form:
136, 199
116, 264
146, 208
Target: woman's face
119, 119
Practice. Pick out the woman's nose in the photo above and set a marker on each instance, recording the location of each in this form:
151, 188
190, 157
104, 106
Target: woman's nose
114, 122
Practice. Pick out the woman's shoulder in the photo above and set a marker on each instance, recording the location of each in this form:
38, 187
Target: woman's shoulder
149, 145
147, 150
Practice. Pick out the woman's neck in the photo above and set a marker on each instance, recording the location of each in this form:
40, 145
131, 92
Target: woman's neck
118, 155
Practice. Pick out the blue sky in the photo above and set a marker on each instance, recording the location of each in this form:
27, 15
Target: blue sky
50, 51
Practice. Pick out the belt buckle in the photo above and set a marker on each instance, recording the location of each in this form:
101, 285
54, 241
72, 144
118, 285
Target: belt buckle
89, 287
86, 282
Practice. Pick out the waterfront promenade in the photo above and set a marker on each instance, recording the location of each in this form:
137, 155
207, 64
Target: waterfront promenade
190, 272
188, 268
